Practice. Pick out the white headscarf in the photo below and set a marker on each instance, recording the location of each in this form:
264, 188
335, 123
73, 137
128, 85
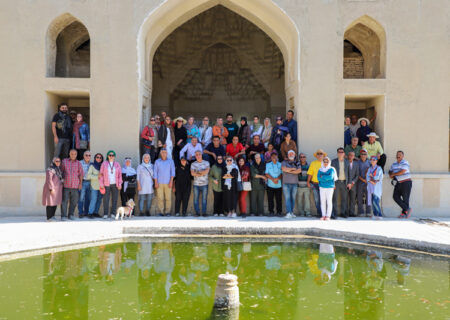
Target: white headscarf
128, 171
325, 168
146, 165
230, 167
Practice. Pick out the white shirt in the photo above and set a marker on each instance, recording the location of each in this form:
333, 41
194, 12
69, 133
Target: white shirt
111, 174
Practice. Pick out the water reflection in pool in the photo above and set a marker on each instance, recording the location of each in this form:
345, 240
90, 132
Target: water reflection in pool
170, 280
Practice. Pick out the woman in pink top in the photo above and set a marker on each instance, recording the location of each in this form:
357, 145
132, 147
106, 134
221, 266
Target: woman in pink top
110, 180
53, 188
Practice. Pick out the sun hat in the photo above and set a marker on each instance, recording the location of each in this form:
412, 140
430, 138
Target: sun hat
320, 151
372, 134
365, 119
180, 119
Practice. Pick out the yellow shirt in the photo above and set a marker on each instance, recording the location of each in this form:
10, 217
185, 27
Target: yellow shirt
373, 149
314, 169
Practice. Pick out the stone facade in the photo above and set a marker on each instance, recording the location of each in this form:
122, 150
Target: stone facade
405, 82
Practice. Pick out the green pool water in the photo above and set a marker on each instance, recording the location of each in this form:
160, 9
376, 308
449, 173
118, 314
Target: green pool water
176, 280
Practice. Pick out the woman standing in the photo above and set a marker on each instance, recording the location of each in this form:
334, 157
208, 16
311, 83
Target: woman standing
129, 176
181, 137
230, 175
215, 176
326, 176
256, 128
93, 175
267, 132
288, 144
244, 170
244, 133
144, 179
374, 178
110, 180
182, 186
192, 130
53, 188
81, 136
258, 179
149, 138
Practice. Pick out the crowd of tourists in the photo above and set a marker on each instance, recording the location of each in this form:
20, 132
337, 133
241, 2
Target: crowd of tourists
238, 162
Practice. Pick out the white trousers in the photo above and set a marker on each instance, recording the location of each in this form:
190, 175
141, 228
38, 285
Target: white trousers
326, 201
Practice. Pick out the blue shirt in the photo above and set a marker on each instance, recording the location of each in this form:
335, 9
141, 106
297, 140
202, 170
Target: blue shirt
397, 167
85, 168
190, 150
292, 126
163, 170
326, 179
274, 170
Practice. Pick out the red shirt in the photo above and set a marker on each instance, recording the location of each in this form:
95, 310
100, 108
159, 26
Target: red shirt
72, 172
232, 151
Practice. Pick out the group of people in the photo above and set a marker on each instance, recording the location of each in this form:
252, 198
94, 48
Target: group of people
236, 162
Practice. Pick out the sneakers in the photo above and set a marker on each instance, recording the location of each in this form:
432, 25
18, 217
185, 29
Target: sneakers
290, 215
105, 216
63, 219
177, 214
233, 215
72, 218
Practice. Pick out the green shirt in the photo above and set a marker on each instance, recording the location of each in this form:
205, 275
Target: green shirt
257, 183
215, 174
356, 150
373, 149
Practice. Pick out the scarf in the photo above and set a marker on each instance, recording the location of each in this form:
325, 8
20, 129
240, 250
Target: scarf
128, 171
228, 180
189, 126
97, 164
55, 169
256, 127
325, 168
146, 165
267, 132
241, 128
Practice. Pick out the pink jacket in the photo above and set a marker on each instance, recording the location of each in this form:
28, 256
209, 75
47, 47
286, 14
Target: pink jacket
52, 182
103, 177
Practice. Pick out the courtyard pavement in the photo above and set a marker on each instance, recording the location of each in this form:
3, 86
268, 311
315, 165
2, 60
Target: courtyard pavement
22, 234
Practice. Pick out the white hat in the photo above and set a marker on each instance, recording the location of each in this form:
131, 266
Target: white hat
373, 134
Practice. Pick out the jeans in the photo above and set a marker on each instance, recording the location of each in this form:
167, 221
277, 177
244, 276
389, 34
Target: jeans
326, 200
96, 199
62, 148
316, 194
142, 198
204, 191
274, 192
112, 192
69, 196
85, 198
290, 193
303, 202
402, 191
376, 206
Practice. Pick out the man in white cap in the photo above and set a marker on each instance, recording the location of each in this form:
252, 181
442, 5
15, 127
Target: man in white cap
374, 149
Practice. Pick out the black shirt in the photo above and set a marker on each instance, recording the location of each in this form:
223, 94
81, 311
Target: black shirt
64, 126
220, 151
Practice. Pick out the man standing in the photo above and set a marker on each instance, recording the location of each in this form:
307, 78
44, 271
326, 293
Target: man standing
220, 131
191, 149
231, 127
340, 164
200, 171
256, 147
312, 181
353, 147
354, 125
62, 129
400, 173
73, 182
291, 169
353, 177
85, 194
374, 149
361, 185
273, 174
163, 173
303, 192
291, 124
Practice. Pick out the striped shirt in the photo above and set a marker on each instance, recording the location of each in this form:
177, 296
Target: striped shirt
72, 171
399, 166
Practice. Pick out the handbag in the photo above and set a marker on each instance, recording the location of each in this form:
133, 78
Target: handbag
83, 144
247, 186
147, 142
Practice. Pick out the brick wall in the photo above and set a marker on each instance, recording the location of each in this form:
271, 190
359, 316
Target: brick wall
353, 67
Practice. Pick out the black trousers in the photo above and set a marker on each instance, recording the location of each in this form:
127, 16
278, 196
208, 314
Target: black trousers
382, 161
218, 202
125, 196
402, 191
182, 197
50, 211
229, 200
277, 193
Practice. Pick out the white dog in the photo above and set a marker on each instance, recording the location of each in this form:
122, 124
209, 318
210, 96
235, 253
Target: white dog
125, 211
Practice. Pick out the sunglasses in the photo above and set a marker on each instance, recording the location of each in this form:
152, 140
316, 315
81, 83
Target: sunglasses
87, 155
302, 157
57, 161
319, 154
229, 160
340, 151
110, 155
325, 162
98, 157
152, 119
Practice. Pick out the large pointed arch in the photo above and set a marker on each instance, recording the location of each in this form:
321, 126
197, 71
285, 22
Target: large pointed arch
263, 13
69, 31
369, 37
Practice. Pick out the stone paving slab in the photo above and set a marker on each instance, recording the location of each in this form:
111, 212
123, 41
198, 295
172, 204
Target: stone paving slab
19, 234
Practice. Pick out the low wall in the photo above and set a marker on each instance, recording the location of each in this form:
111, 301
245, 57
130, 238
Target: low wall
21, 193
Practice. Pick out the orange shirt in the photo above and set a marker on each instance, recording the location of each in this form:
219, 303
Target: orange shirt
222, 133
